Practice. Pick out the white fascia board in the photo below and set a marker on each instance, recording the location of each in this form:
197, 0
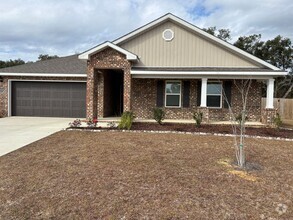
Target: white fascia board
205, 74
44, 74
201, 32
86, 55
142, 29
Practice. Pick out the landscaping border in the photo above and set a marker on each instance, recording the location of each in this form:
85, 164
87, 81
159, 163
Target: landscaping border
178, 132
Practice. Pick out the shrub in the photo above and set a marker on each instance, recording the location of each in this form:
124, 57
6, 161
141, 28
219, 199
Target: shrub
159, 115
197, 116
75, 123
92, 123
239, 118
111, 124
126, 120
277, 121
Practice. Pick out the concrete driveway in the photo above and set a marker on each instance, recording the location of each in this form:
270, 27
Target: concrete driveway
16, 132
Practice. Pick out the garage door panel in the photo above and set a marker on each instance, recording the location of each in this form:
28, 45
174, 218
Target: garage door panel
49, 99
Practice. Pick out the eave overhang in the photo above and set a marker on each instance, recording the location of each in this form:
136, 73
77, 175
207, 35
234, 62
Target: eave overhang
44, 74
86, 55
206, 74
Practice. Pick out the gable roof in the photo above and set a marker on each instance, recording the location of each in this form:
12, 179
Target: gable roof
61, 66
200, 32
88, 53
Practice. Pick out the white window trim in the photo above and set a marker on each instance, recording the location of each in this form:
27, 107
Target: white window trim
221, 94
168, 81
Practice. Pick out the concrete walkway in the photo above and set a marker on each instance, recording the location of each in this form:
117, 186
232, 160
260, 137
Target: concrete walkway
16, 132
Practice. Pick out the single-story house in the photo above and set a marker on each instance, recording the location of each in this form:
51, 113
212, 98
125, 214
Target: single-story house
167, 63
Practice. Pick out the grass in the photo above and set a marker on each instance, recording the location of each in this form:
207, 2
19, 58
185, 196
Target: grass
117, 175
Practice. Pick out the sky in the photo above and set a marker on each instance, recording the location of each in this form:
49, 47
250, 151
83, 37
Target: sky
65, 27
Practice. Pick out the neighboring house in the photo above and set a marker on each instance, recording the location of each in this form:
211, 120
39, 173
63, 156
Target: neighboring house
167, 63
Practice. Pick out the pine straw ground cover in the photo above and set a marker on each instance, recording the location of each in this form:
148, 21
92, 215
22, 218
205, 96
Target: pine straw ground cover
120, 175
209, 128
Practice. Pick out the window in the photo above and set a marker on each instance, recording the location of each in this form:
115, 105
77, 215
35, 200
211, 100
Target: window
173, 94
214, 94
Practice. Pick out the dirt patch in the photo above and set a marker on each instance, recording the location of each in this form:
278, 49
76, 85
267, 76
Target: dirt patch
222, 129
118, 175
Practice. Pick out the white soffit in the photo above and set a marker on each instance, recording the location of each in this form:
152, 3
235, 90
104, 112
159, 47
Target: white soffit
86, 55
207, 74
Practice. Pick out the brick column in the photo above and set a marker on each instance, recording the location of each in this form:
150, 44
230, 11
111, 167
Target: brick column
268, 116
100, 93
205, 114
3, 97
127, 90
90, 93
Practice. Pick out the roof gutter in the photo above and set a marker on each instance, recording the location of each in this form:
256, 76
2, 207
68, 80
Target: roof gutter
44, 74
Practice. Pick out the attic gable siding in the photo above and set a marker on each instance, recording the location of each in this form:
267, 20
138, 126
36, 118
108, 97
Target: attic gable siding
186, 50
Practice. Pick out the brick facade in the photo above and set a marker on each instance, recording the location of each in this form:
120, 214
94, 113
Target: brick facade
268, 116
4, 90
144, 100
97, 66
139, 95
3, 98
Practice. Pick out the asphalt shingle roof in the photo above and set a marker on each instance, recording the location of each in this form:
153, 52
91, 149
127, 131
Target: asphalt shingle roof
65, 65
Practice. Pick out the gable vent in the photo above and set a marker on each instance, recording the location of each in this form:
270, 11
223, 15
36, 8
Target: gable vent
168, 35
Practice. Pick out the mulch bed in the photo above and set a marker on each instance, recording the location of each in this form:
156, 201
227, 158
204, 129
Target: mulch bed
205, 128
121, 175
221, 129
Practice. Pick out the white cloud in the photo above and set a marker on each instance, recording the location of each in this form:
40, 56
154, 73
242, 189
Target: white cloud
32, 27
269, 18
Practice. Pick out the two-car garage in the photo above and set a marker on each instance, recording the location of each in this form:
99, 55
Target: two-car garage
48, 99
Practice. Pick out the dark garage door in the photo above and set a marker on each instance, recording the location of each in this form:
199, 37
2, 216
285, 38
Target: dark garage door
49, 99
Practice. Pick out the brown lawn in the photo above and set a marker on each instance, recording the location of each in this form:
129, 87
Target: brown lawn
118, 175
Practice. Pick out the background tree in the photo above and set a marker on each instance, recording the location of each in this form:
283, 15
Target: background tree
46, 57
251, 44
223, 34
10, 63
277, 52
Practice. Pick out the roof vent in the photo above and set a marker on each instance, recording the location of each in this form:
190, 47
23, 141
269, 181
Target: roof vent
168, 35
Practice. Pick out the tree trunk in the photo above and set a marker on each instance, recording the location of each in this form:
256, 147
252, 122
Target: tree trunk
241, 144
288, 91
